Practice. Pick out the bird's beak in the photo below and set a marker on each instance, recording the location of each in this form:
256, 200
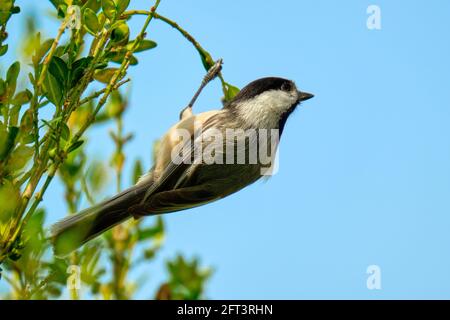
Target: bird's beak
303, 96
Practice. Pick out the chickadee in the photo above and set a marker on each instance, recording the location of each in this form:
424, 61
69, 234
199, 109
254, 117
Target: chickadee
171, 185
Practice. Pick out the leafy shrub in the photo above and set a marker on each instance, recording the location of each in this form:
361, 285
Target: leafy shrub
34, 149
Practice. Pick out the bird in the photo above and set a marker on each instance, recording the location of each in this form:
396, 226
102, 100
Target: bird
180, 179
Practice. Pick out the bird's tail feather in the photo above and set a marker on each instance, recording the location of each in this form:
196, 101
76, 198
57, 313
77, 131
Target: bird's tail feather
73, 231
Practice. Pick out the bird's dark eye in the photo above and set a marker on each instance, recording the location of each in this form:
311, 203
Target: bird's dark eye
286, 86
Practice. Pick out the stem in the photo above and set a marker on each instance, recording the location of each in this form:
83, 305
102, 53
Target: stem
42, 284
185, 34
31, 186
74, 295
37, 200
50, 54
38, 86
172, 23
212, 73
119, 263
100, 92
119, 147
119, 72
110, 87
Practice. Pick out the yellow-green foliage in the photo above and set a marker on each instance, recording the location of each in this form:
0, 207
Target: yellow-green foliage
35, 148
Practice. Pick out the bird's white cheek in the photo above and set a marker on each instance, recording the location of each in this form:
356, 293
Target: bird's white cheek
265, 110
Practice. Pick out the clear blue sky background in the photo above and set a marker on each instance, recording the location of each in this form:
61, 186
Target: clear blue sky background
364, 167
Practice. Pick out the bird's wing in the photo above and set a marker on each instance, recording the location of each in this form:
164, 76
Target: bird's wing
177, 200
175, 174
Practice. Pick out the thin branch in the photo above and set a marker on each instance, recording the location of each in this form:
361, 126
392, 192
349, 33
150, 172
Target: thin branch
100, 92
41, 285
185, 34
170, 22
50, 54
38, 86
110, 87
35, 107
119, 72
38, 198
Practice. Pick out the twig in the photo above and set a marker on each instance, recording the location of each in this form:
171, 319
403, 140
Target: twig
110, 87
38, 86
100, 92
117, 74
185, 34
40, 285
212, 73
38, 198
35, 107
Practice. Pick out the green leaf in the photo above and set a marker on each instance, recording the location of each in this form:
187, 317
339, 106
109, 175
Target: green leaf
42, 51
9, 198
78, 69
120, 56
100, 65
207, 60
14, 255
91, 23
57, 3
2, 89
52, 123
21, 98
6, 7
58, 68
65, 131
62, 9
9, 143
34, 232
26, 125
120, 34
231, 92
3, 49
14, 115
151, 232
35, 224
2, 86
74, 146
109, 9
104, 75
144, 45
60, 51
58, 269
122, 5
187, 279
94, 5
11, 77
53, 90
21, 155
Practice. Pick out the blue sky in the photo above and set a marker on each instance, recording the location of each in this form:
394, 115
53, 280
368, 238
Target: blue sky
364, 173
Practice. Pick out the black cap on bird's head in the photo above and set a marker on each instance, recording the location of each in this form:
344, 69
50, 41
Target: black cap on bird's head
270, 83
